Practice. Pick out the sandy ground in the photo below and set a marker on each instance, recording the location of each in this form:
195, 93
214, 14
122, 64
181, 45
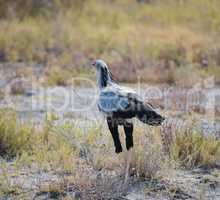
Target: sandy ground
178, 184
78, 105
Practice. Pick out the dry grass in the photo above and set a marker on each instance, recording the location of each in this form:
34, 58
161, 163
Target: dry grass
188, 145
14, 137
88, 157
191, 149
85, 161
157, 42
55, 190
148, 157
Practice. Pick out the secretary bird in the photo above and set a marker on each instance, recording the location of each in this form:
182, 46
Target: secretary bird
119, 105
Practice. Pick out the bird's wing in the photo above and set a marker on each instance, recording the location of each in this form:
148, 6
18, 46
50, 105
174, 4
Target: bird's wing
115, 98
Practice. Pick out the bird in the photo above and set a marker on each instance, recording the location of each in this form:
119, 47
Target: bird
120, 104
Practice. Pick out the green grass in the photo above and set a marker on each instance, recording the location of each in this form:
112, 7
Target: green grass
152, 41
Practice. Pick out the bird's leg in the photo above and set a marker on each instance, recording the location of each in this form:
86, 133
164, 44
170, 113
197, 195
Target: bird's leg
129, 158
113, 127
128, 128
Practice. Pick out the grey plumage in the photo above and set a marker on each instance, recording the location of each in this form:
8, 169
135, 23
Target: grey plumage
120, 104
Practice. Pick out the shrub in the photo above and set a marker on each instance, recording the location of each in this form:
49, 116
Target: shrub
192, 149
47, 147
14, 137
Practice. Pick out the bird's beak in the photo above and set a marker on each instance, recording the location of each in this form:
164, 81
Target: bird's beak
93, 63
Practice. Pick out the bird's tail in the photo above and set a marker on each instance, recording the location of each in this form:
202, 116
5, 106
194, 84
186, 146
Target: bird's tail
147, 115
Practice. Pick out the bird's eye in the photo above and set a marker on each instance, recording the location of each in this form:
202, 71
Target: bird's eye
94, 63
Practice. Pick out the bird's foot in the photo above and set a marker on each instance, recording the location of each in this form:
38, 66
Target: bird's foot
129, 146
118, 149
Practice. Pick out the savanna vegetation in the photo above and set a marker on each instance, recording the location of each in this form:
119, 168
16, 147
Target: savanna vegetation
84, 162
172, 41
154, 41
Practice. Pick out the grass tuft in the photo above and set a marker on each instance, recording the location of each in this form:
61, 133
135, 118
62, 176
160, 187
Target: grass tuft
14, 137
193, 149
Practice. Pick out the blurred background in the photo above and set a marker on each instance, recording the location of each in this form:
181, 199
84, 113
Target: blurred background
54, 142
156, 41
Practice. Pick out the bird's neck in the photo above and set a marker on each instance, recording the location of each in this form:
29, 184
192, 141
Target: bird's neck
103, 78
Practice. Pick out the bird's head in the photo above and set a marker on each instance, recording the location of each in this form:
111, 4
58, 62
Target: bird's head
103, 74
100, 64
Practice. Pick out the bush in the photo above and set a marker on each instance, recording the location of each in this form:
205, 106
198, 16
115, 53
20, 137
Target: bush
14, 137
192, 149
46, 147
